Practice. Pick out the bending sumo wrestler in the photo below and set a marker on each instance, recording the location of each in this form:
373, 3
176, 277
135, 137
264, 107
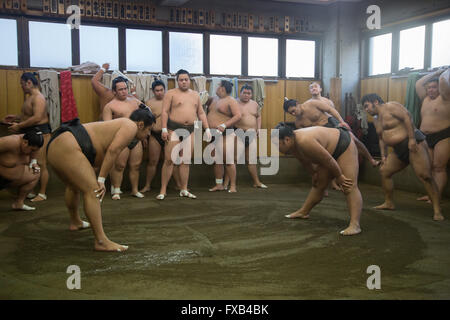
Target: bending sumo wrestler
74, 152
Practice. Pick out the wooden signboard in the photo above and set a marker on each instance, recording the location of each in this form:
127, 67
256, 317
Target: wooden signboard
109, 9
61, 7
116, 10
261, 23
286, 24
102, 8
152, 13
46, 6
189, 16
201, 17
250, 23
23, 5
212, 18
95, 8
88, 8
16, 4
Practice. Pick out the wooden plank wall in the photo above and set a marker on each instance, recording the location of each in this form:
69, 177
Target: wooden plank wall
388, 89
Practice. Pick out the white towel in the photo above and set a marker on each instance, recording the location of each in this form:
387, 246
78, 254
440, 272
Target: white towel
50, 89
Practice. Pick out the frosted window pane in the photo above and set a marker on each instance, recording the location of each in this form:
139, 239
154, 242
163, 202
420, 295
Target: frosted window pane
412, 48
441, 44
380, 54
262, 57
300, 58
144, 50
99, 45
8, 39
186, 52
225, 54
50, 45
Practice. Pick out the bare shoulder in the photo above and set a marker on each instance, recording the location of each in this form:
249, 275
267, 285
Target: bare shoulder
38, 98
393, 105
9, 142
194, 93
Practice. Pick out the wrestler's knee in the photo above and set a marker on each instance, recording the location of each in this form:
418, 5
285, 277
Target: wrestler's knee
119, 167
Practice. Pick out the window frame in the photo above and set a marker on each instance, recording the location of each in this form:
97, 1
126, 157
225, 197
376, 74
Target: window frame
19, 40
395, 53
24, 50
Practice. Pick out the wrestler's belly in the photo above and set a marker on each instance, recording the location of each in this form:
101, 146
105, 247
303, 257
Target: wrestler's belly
183, 118
12, 173
394, 136
247, 123
433, 124
216, 119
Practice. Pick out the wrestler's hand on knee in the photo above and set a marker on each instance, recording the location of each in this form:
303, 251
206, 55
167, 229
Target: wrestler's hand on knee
36, 169
100, 192
345, 183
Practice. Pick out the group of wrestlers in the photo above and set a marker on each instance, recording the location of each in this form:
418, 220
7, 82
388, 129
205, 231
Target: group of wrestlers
83, 155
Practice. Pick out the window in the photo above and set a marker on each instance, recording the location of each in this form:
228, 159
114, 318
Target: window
225, 54
8, 39
144, 50
186, 52
300, 58
50, 45
412, 48
440, 54
263, 57
99, 45
380, 54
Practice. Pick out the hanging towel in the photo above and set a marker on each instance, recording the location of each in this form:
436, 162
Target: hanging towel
165, 79
235, 92
106, 80
68, 105
86, 67
412, 102
148, 80
200, 87
259, 93
50, 90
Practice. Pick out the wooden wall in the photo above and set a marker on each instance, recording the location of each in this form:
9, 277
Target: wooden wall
387, 88
11, 97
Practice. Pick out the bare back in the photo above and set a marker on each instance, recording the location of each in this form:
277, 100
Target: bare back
12, 159
35, 105
102, 133
219, 111
311, 115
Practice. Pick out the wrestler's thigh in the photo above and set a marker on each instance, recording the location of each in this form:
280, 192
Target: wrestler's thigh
441, 153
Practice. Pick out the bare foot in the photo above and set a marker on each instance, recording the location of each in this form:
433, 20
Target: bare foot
40, 197
424, 198
438, 217
109, 246
297, 215
145, 189
325, 194
218, 187
22, 207
351, 230
232, 189
79, 226
385, 206
260, 185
